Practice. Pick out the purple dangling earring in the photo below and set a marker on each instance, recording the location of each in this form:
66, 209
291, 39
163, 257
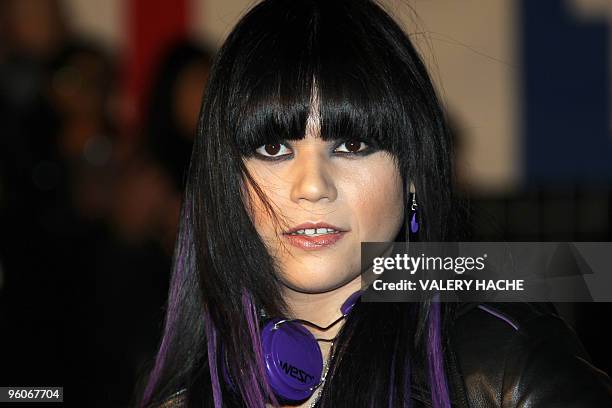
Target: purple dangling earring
414, 225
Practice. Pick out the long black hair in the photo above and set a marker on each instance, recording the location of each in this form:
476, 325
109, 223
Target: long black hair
369, 81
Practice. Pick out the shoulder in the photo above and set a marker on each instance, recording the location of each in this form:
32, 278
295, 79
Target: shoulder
508, 354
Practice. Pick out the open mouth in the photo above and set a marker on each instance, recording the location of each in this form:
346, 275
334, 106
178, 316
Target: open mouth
313, 236
315, 232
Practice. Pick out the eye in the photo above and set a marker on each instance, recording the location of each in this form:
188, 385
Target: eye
271, 150
352, 146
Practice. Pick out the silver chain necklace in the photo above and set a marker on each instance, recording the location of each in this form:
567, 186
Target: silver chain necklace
323, 378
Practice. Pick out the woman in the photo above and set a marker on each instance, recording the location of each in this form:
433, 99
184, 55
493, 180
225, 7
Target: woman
319, 119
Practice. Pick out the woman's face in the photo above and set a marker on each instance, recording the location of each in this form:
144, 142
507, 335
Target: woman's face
315, 181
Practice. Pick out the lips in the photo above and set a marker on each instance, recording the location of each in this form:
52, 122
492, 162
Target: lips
313, 225
310, 243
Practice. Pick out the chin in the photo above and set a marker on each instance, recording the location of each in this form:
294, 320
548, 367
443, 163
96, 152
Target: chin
317, 282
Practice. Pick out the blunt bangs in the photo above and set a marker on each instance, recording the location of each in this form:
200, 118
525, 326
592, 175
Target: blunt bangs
309, 53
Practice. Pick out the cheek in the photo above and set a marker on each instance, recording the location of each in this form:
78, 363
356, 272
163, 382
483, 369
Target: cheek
377, 202
256, 210
255, 207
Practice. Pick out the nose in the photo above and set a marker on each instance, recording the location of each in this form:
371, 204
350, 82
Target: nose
312, 179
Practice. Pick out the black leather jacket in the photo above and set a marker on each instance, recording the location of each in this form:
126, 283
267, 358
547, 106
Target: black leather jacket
519, 355
510, 355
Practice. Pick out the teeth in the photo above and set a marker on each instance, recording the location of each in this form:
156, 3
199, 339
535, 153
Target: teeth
313, 231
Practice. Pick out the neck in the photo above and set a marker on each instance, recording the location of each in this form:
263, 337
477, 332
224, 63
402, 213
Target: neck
321, 309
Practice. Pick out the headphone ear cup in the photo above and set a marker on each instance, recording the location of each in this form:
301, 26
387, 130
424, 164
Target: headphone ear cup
293, 359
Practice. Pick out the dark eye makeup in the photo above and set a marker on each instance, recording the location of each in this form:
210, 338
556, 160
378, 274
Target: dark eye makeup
350, 148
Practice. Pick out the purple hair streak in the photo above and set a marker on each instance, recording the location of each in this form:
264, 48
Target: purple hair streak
184, 263
211, 340
251, 387
435, 357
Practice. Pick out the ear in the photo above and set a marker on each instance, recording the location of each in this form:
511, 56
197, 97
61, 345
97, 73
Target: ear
411, 188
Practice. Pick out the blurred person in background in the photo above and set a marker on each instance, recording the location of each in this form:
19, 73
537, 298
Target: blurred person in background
80, 94
33, 33
172, 113
77, 212
37, 218
142, 220
168, 132
59, 186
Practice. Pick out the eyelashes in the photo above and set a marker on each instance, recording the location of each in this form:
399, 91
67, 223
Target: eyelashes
271, 150
348, 148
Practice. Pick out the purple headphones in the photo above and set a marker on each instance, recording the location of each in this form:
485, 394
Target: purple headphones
294, 363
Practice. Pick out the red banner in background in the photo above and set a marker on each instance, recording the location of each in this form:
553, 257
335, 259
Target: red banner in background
151, 26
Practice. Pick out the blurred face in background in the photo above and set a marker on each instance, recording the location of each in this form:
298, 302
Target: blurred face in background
34, 27
188, 95
347, 184
79, 91
80, 87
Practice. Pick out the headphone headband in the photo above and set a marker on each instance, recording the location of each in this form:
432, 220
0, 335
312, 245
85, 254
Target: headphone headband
293, 359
